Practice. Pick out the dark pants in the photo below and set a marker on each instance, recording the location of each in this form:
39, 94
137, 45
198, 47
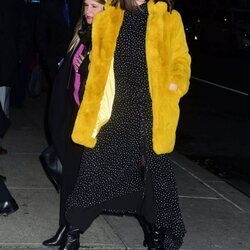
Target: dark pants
70, 172
71, 160
18, 92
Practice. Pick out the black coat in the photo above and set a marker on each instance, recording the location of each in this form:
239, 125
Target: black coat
62, 114
14, 38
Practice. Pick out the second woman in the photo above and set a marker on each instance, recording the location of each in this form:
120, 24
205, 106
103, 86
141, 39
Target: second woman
66, 96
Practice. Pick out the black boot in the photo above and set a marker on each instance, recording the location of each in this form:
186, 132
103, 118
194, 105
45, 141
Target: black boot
52, 167
8, 207
2, 178
156, 239
8, 204
58, 239
72, 239
153, 237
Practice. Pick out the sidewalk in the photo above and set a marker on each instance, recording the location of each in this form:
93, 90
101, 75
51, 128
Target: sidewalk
216, 215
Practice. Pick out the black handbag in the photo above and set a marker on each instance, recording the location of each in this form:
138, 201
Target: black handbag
52, 166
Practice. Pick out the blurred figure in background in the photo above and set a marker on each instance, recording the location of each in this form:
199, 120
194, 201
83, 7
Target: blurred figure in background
66, 96
55, 26
13, 44
18, 92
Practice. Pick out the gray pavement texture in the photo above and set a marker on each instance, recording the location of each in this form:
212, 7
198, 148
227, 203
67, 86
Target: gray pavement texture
216, 215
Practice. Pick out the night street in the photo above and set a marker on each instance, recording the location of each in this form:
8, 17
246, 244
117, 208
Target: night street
93, 152
214, 128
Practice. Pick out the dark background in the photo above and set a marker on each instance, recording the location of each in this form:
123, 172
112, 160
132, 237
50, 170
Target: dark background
214, 127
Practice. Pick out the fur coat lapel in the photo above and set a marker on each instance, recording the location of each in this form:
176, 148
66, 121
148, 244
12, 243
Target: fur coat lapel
105, 31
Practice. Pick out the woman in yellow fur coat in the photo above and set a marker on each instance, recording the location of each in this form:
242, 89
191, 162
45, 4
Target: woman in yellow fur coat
139, 70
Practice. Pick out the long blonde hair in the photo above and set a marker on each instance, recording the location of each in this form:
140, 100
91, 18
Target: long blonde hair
75, 40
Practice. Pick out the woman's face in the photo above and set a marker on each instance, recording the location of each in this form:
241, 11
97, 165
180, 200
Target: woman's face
91, 8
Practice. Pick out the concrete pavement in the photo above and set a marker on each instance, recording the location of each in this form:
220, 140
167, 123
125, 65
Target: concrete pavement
216, 215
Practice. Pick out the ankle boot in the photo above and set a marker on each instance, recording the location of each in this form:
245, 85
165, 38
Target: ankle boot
8, 207
8, 204
153, 236
2, 178
156, 239
58, 239
72, 239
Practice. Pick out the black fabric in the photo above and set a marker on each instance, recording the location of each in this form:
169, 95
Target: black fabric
53, 33
83, 70
52, 166
112, 170
36, 81
4, 192
85, 39
85, 34
62, 114
15, 39
4, 122
122, 205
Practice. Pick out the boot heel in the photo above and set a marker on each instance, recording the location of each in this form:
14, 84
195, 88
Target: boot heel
72, 239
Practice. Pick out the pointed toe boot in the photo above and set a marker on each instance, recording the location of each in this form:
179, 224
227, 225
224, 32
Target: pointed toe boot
58, 239
72, 239
8, 207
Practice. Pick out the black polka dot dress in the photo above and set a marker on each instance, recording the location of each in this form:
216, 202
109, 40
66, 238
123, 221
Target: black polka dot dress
122, 174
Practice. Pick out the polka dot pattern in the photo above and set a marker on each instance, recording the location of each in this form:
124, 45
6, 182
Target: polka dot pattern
114, 167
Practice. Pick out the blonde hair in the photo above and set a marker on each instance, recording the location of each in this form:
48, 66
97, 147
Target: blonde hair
75, 40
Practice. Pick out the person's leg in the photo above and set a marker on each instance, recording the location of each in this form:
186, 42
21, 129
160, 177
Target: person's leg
2, 150
69, 174
5, 99
2, 96
18, 92
168, 230
7, 102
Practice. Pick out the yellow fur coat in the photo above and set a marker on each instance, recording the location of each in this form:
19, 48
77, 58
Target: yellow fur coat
168, 62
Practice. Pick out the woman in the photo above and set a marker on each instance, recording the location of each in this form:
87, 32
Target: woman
65, 100
139, 70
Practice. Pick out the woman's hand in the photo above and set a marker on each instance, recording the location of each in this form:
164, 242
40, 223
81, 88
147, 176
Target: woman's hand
79, 62
173, 87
